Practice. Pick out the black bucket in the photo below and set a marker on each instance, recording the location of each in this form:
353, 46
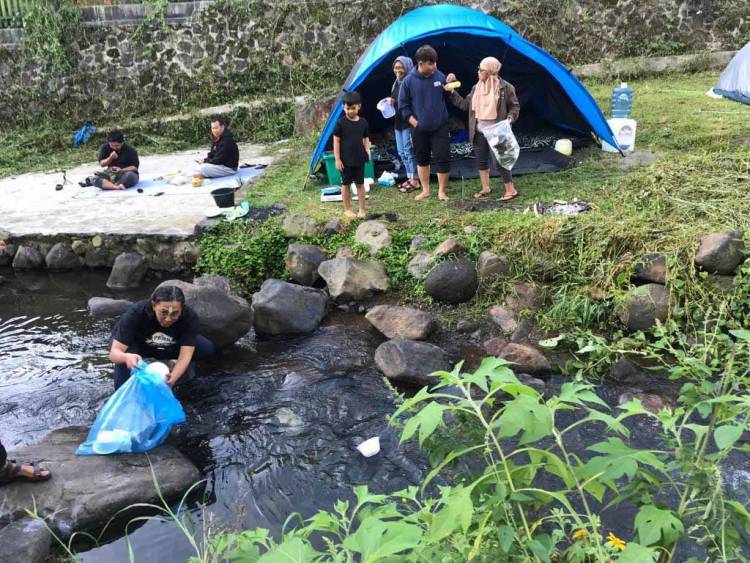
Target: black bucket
224, 197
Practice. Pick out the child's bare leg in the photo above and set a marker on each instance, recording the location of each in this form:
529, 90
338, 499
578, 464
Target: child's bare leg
424, 179
361, 195
346, 197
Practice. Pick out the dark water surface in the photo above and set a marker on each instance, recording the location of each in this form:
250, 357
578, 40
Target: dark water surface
272, 424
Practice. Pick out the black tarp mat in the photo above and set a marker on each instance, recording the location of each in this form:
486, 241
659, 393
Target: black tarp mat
529, 162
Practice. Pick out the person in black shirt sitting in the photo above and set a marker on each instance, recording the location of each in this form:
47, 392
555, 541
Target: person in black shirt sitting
120, 161
163, 328
224, 156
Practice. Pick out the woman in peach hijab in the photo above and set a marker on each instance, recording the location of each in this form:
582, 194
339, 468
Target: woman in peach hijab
491, 100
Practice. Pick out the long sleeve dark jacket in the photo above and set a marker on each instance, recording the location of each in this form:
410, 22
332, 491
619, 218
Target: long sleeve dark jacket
224, 151
424, 98
507, 105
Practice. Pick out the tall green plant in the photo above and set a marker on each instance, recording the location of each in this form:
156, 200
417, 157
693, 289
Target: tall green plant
50, 27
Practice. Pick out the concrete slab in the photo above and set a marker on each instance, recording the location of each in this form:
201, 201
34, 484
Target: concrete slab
30, 205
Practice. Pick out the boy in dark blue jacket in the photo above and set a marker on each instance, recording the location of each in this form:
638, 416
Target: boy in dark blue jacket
421, 102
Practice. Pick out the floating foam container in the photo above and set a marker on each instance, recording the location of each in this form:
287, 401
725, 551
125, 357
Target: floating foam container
624, 131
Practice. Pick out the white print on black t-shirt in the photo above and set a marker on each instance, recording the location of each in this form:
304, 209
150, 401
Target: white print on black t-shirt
436, 84
161, 341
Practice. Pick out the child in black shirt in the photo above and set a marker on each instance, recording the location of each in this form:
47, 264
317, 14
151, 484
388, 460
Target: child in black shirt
351, 147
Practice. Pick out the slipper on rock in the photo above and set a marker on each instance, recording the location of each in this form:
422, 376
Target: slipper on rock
12, 472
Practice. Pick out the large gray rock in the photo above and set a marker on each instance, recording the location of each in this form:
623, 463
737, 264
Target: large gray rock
298, 225
401, 322
643, 306
523, 297
302, 262
452, 282
490, 266
651, 268
224, 318
410, 361
27, 258
86, 491
374, 235
62, 257
128, 271
421, 264
721, 253
349, 279
526, 359
284, 308
448, 247
217, 282
98, 257
102, 307
25, 541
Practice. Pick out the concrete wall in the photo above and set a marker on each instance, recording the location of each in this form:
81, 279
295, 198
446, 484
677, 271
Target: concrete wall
213, 52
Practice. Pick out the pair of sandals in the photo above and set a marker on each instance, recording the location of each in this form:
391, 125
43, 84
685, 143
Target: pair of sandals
13, 471
408, 187
503, 198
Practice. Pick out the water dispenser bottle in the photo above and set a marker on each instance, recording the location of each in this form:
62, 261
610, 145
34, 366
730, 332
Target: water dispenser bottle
622, 101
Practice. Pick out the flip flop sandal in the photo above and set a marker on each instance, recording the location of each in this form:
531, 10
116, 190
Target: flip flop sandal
12, 472
404, 187
480, 195
508, 198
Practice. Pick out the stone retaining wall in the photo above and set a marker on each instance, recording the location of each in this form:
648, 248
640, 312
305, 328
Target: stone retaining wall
213, 52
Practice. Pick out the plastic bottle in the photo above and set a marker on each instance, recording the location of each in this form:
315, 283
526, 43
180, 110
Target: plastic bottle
622, 101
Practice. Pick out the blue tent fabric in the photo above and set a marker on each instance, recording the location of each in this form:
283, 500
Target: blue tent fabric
462, 37
734, 82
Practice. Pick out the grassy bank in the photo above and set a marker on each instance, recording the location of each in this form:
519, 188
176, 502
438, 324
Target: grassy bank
696, 184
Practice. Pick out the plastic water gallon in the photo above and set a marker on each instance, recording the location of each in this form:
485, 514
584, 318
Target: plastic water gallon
622, 101
624, 131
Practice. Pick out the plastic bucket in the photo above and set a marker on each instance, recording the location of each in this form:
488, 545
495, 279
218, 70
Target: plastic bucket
224, 197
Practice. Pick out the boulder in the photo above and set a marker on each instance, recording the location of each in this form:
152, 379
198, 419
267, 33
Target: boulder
524, 296
284, 308
374, 235
650, 268
534, 382
526, 359
302, 262
643, 306
401, 322
98, 257
721, 253
495, 346
312, 116
25, 541
491, 266
353, 280
128, 271
448, 247
637, 371
345, 252
27, 258
504, 318
102, 307
217, 282
649, 401
419, 241
421, 264
298, 225
86, 491
452, 282
223, 318
332, 227
411, 361
7, 250
62, 257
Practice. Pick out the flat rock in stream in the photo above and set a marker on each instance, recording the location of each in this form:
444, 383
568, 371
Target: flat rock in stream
26, 541
102, 307
86, 491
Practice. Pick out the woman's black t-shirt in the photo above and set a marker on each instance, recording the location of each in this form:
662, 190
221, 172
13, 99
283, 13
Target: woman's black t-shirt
139, 330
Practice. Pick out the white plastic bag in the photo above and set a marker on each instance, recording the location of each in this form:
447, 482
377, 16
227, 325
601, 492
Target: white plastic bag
503, 143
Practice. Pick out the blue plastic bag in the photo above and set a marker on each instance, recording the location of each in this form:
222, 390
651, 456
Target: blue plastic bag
81, 136
137, 418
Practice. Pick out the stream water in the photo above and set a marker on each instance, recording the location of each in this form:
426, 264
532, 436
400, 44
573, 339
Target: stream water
272, 424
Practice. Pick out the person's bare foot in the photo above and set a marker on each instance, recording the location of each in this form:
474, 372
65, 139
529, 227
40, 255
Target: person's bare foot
481, 194
349, 214
361, 215
120, 187
509, 195
28, 471
420, 197
442, 196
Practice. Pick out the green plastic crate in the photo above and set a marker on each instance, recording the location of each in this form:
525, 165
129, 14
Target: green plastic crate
334, 177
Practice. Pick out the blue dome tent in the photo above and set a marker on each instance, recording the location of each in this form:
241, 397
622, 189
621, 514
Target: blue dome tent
547, 90
734, 82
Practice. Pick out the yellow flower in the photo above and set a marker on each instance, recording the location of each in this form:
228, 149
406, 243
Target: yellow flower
578, 534
614, 541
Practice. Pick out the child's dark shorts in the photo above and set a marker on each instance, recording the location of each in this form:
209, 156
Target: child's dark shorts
354, 174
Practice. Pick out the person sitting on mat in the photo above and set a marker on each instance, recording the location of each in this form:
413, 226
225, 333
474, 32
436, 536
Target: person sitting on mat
163, 328
120, 161
401, 67
10, 470
491, 100
224, 156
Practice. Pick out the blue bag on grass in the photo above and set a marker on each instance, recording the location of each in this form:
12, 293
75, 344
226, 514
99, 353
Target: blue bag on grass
137, 418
